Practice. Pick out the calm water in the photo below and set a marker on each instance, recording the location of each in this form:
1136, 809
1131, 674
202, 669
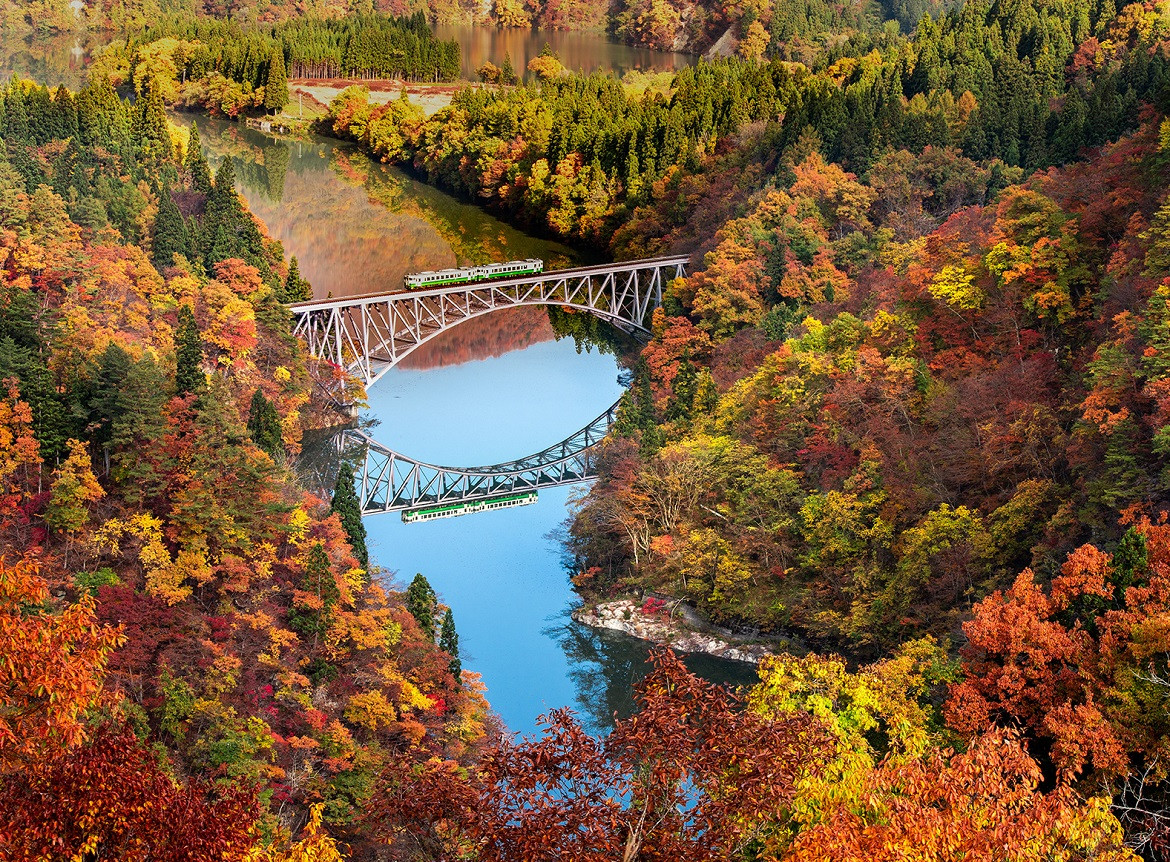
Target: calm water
51, 61
579, 52
494, 389
62, 59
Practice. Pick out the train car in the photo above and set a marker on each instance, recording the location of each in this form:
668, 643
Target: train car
450, 510
472, 274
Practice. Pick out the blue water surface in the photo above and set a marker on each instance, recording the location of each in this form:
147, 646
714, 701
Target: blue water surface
500, 571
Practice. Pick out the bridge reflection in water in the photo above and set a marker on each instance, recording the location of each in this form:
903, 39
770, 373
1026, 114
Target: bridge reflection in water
388, 481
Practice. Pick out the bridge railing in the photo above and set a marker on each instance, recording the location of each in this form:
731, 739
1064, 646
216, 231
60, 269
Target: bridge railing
368, 335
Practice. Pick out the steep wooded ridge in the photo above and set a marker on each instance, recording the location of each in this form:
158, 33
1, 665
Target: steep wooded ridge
912, 404
192, 651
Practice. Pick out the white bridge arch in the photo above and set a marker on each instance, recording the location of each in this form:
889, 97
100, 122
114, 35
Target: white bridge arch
369, 335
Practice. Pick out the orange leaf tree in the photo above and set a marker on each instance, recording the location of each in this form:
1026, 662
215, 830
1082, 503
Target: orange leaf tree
51, 666
110, 799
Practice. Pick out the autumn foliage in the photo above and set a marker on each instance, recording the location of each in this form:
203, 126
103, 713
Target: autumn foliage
193, 662
691, 776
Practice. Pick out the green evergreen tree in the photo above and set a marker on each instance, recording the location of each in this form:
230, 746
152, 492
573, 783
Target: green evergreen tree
189, 377
349, 509
449, 642
296, 289
136, 427
421, 601
507, 72
685, 383
317, 580
150, 131
264, 426
276, 84
196, 164
103, 402
168, 235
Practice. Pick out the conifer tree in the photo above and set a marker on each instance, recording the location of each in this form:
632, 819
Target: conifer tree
296, 289
349, 510
196, 165
189, 376
103, 402
264, 426
150, 130
449, 642
420, 601
276, 84
168, 235
137, 422
507, 72
317, 581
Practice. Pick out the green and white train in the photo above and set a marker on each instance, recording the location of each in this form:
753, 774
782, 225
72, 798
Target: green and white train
472, 274
450, 510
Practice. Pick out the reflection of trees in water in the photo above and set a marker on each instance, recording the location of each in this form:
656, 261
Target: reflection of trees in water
606, 665
261, 161
319, 460
51, 60
474, 236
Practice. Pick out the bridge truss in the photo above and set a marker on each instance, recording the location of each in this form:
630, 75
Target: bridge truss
390, 482
368, 335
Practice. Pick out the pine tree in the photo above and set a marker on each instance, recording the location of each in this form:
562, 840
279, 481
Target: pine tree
507, 72
103, 402
318, 581
449, 642
150, 130
138, 422
276, 84
264, 426
685, 383
349, 510
296, 289
189, 377
223, 217
196, 165
168, 235
420, 601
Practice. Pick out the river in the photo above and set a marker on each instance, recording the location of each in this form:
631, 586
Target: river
496, 388
579, 52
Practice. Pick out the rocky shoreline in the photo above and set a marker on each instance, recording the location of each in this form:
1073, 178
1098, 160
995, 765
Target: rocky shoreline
669, 627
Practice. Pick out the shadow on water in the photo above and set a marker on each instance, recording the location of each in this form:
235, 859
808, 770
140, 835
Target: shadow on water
605, 666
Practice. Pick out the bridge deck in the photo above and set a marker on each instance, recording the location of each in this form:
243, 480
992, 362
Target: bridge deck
369, 334
555, 274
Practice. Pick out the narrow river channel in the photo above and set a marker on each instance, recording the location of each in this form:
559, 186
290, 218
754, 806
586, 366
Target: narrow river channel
494, 389
497, 388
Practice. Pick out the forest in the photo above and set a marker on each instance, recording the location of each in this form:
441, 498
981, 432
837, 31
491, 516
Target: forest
196, 658
909, 412
576, 157
680, 25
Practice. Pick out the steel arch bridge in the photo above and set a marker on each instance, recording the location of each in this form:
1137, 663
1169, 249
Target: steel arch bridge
369, 335
391, 482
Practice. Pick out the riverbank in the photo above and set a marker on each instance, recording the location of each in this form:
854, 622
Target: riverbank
319, 92
676, 625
